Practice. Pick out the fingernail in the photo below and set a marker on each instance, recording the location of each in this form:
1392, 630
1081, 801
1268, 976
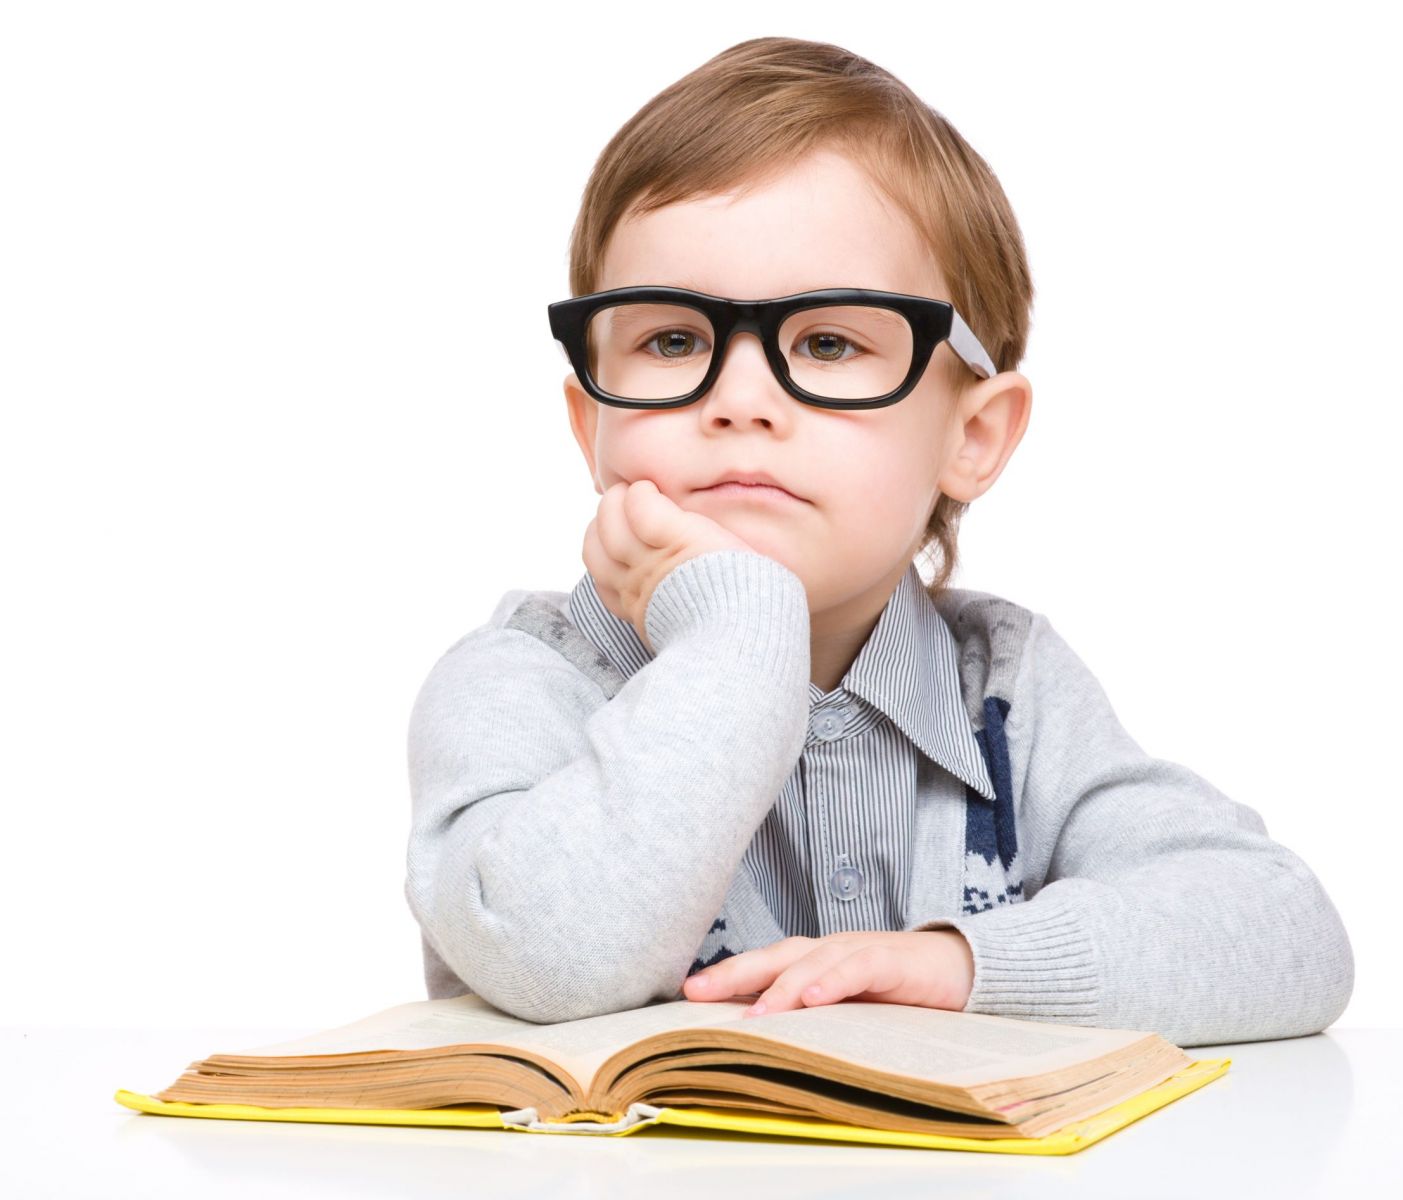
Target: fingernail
700, 981
755, 1009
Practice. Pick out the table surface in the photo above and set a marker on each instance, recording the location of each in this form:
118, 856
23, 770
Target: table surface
1301, 1117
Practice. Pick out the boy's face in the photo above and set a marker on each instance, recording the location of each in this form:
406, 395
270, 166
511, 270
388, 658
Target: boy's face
871, 478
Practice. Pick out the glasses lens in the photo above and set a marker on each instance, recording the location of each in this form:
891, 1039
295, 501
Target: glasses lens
847, 352
648, 351
644, 351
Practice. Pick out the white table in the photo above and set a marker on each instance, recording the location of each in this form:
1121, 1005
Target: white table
1309, 1116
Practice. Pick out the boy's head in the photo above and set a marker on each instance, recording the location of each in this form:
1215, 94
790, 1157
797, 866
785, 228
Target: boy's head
784, 166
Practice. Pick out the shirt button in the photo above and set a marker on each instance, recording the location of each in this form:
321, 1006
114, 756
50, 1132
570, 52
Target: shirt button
831, 723
846, 883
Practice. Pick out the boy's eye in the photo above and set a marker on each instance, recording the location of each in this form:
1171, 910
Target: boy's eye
676, 343
822, 349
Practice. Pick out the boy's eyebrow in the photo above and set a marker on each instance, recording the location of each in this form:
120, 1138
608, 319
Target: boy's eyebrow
625, 317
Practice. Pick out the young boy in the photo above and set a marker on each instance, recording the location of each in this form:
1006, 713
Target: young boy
751, 752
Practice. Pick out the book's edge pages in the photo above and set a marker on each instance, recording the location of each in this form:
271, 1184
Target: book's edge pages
1068, 1140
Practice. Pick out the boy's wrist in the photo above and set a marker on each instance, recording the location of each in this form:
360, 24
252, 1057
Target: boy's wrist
954, 969
963, 974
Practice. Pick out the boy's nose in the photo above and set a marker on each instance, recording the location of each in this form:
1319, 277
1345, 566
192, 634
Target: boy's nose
747, 350
746, 345
746, 381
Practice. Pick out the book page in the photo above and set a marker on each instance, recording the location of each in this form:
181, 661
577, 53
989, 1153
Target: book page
578, 1047
582, 1046
956, 1048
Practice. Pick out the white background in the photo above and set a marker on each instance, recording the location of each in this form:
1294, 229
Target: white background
283, 420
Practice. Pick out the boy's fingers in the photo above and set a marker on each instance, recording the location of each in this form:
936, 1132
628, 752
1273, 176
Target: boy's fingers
598, 562
653, 516
870, 969
785, 990
617, 537
749, 972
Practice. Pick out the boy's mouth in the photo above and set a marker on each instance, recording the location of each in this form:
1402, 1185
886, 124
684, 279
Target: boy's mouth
751, 485
761, 492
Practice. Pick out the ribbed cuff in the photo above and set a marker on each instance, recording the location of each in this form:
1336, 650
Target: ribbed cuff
1034, 959
759, 603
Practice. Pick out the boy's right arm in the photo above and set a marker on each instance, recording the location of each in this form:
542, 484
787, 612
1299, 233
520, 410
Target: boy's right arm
567, 856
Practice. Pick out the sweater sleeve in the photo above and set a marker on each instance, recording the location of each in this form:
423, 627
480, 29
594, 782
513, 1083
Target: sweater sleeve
1154, 901
568, 854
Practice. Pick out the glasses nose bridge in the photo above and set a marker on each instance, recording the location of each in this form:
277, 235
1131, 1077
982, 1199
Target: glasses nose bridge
747, 316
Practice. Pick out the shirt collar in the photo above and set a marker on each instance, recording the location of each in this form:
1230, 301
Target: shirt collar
908, 669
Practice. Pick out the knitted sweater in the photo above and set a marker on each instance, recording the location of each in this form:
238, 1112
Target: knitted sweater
592, 822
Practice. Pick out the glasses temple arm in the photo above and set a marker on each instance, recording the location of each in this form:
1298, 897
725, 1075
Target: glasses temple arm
966, 345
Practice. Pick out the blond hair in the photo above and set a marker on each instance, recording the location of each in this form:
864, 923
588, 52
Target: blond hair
755, 109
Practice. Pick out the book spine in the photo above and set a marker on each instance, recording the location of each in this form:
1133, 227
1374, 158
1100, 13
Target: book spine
526, 1118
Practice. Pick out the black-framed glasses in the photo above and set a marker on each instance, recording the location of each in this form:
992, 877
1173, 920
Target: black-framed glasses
662, 347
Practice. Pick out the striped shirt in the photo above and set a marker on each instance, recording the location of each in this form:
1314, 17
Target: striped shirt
834, 853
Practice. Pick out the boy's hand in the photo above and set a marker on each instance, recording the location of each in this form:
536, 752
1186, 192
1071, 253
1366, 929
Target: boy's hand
637, 537
933, 968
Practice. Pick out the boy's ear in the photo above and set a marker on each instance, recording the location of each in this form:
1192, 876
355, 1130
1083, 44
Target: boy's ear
584, 413
987, 425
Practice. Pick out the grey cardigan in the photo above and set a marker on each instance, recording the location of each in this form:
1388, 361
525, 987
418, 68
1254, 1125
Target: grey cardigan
577, 828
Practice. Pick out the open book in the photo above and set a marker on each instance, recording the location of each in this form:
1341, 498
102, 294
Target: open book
855, 1070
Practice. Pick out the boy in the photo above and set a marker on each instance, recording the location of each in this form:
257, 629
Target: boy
751, 752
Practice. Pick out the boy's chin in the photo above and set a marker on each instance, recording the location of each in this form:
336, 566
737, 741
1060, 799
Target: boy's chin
779, 544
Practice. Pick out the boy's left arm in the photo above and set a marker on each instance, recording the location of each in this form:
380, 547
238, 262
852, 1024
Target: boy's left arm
1154, 901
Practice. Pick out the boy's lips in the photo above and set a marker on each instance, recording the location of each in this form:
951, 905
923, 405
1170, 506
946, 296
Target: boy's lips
761, 493
757, 484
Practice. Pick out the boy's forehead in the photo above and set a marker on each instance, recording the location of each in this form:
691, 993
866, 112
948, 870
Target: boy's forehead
775, 275
820, 226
